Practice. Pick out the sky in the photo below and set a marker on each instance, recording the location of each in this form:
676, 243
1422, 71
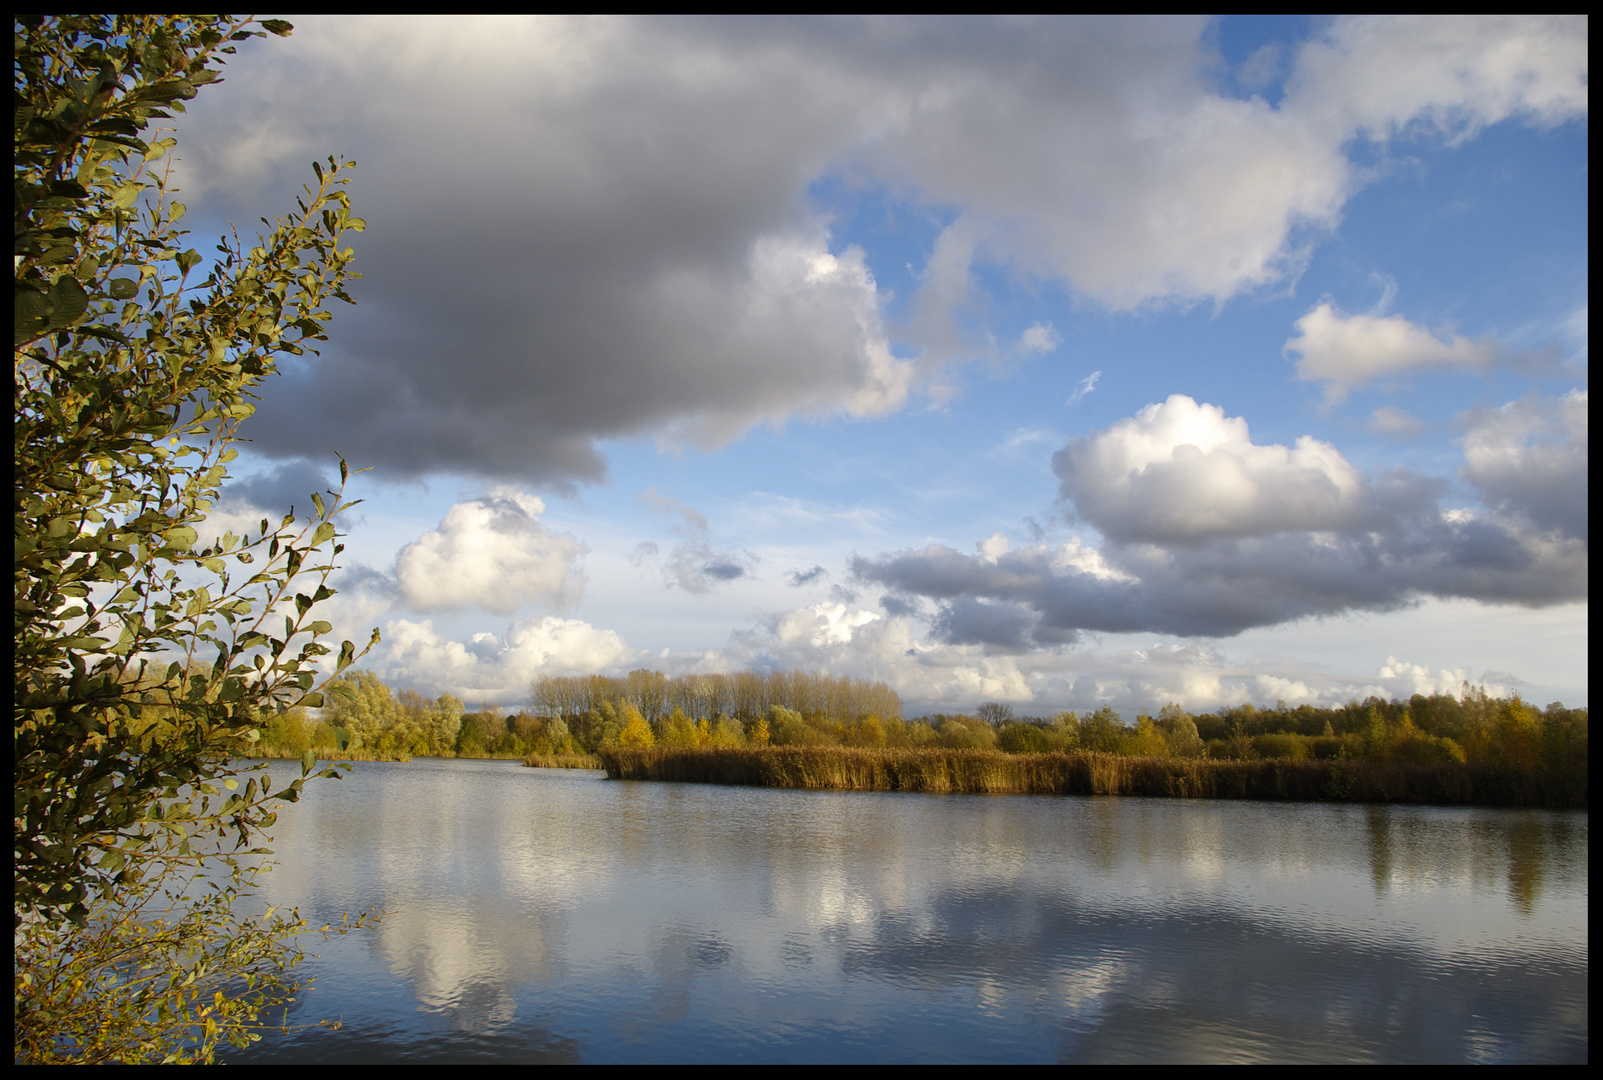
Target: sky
1059, 362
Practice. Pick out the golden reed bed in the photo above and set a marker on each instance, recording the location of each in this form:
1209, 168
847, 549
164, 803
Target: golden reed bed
993, 772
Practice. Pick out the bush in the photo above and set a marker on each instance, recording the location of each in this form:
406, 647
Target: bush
146, 648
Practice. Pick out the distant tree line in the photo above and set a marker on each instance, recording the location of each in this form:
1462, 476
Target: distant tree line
1472, 727
580, 714
577, 715
745, 696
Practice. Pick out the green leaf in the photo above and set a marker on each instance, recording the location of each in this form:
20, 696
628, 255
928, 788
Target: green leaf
125, 195
31, 311
180, 538
68, 301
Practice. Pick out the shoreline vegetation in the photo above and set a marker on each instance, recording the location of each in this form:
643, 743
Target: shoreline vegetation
331, 753
809, 730
991, 772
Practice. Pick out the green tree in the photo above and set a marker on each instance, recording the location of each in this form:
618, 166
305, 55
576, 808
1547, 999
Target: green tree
481, 732
1103, 731
366, 708
146, 653
787, 728
444, 720
1179, 731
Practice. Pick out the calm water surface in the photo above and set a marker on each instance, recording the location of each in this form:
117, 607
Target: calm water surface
543, 915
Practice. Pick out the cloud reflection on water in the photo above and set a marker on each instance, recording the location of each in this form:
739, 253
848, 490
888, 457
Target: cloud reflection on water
662, 921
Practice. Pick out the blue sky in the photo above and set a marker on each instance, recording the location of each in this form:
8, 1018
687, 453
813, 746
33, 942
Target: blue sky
1063, 363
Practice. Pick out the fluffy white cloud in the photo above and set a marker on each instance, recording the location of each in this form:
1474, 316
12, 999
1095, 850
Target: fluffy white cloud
1181, 471
1403, 680
933, 674
1530, 457
1041, 338
1343, 351
498, 668
846, 640
491, 553
1131, 178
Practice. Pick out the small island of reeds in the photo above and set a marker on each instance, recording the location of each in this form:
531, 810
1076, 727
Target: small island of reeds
1089, 773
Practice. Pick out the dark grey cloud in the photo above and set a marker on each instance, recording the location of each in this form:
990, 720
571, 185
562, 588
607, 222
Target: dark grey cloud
1000, 627
275, 491
799, 578
899, 606
589, 229
1531, 458
595, 243
1221, 587
1207, 533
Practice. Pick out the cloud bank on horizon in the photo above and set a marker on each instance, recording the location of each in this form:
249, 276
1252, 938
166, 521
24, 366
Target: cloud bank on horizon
591, 236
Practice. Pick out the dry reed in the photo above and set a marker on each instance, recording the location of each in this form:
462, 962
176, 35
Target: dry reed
562, 761
1082, 773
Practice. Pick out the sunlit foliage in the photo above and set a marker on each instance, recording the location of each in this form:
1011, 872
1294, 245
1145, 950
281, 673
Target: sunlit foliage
149, 652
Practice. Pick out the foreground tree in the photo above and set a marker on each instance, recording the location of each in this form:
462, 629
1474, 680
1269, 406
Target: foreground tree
146, 652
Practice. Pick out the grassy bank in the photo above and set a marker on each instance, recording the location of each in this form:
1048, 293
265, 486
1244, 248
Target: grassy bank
1082, 773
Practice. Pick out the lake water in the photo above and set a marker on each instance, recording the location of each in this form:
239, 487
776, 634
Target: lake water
544, 915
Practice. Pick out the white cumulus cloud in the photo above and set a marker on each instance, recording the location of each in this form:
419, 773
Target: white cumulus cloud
491, 553
1181, 470
500, 668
